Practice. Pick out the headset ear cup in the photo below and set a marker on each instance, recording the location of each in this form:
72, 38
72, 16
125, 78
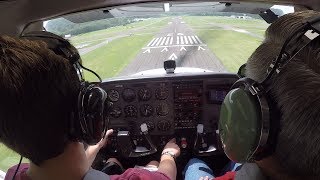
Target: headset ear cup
240, 123
94, 121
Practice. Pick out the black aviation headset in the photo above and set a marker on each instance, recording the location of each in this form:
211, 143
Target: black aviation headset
90, 121
249, 119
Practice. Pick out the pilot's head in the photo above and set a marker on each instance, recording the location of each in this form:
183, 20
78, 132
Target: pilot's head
296, 91
38, 90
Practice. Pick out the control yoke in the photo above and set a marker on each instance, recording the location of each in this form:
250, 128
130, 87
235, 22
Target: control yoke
128, 148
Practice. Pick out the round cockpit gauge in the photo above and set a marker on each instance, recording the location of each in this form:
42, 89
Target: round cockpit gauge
146, 110
115, 112
128, 95
162, 109
164, 125
162, 93
145, 94
130, 111
113, 95
150, 125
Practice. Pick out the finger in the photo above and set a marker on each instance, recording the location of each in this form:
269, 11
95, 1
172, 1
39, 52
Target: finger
206, 178
109, 132
201, 178
172, 140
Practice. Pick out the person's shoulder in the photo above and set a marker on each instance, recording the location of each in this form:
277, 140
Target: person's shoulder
21, 173
137, 174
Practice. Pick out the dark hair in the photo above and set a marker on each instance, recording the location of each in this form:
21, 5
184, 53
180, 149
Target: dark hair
296, 91
38, 93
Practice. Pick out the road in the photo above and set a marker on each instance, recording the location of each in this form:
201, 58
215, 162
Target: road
177, 41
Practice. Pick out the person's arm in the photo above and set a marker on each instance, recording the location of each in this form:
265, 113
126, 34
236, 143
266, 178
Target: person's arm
167, 164
92, 151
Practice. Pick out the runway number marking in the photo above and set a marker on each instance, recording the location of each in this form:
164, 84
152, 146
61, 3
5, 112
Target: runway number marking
201, 48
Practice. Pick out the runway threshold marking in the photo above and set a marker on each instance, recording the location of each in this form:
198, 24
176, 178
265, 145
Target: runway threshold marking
180, 40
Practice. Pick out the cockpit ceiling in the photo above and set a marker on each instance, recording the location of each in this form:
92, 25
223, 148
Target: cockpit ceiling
22, 12
158, 8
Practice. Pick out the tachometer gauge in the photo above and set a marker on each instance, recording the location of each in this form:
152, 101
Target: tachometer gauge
130, 111
113, 95
162, 93
145, 94
164, 125
162, 109
150, 125
115, 112
146, 110
128, 95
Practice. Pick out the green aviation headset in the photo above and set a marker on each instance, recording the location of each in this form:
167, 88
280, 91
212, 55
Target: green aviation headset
249, 120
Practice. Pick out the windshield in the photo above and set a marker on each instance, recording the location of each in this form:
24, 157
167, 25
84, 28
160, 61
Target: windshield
140, 38
124, 41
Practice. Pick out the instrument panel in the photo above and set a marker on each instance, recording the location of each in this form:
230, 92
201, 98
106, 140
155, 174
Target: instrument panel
169, 106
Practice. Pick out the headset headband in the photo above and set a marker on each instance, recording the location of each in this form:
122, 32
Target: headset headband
303, 36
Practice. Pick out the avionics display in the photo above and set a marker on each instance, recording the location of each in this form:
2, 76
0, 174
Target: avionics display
187, 104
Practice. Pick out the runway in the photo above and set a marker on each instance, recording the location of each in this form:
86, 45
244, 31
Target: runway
177, 41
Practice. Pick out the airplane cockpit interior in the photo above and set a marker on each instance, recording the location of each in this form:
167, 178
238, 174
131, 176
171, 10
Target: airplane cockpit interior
166, 66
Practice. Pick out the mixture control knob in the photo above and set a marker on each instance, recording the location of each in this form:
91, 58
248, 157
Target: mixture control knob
184, 143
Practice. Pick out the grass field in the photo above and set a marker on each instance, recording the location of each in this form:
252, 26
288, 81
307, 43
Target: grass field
151, 25
110, 59
232, 48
